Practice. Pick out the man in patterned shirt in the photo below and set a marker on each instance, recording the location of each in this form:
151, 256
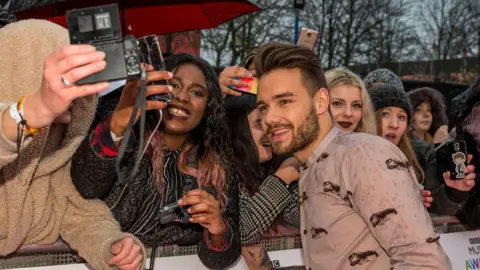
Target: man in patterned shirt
360, 204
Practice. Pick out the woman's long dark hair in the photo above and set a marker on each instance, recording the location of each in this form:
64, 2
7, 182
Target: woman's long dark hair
245, 153
210, 136
436, 101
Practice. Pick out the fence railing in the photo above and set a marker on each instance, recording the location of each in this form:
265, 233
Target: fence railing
284, 239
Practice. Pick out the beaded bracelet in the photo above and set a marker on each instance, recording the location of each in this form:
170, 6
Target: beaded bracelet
16, 112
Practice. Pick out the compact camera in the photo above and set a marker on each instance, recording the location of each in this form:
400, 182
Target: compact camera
173, 212
100, 27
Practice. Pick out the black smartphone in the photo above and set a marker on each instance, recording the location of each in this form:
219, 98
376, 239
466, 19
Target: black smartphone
152, 55
457, 151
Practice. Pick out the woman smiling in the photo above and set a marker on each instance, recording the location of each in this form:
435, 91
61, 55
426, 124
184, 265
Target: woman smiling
185, 162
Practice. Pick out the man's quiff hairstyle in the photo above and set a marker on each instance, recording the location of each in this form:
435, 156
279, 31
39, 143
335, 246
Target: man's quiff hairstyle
284, 56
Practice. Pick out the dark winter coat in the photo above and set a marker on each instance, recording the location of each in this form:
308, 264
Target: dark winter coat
446, 201
465, 115
436, 101
95, 177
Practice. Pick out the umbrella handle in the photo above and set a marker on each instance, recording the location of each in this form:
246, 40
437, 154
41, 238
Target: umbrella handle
121, 6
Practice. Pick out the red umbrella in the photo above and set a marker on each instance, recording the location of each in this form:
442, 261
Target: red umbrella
146, 17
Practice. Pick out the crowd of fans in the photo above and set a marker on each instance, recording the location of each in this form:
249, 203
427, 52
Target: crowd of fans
356, 165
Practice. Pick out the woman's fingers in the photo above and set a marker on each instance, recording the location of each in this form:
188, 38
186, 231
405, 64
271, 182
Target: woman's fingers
234, 82
86, 90
200, 218
428, 199
79, 73
236, 71
190, 200
155, 76
228, 91
199, 208
158, 89
155, 105
78, 60
67, 51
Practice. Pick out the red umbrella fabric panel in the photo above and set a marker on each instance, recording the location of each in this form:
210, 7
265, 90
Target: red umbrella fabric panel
164, 17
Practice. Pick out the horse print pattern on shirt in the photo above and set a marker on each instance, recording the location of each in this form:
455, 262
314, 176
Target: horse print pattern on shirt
360, 258
381, 217
322, 157
347, 199
329, 187
318, 233
302, 198
393, 164
433, 239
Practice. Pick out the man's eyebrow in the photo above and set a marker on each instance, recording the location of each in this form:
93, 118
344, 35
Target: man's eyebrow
283, 95
260, 102
277, 96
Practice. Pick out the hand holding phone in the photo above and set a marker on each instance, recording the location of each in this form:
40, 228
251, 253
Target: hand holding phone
227, 80
461, 174
458, 152
308, 38
250, 85
152, 55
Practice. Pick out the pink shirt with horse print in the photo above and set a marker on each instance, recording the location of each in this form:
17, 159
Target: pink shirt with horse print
361, 208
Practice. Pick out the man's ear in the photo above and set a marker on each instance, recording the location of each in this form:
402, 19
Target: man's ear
321, 101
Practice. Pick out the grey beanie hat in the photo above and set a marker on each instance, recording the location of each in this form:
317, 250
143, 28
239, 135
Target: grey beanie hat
387, 95
383, 75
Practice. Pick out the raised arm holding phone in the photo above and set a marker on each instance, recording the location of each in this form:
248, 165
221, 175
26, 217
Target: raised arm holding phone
39, 97
52, 101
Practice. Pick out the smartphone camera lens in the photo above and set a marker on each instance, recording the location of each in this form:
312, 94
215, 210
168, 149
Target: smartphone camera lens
309, 35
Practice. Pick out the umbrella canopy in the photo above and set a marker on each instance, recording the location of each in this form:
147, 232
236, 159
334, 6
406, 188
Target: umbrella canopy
145, 17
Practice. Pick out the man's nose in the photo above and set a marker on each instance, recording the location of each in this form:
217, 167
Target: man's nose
271, 117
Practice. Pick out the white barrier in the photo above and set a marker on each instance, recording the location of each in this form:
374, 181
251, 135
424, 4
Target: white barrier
283, 258
463, 249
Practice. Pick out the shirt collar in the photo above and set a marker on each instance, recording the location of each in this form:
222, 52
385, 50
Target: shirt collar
321, 147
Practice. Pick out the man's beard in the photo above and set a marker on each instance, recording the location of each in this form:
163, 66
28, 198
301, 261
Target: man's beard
307, 134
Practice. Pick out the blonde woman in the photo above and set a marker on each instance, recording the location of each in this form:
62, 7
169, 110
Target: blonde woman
350, 104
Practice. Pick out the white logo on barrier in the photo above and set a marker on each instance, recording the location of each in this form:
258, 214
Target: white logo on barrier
463, 249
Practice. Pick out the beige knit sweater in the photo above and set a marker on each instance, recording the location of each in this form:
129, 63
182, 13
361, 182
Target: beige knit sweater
38, 202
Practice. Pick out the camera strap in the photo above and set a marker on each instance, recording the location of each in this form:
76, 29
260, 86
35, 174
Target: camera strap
139, 105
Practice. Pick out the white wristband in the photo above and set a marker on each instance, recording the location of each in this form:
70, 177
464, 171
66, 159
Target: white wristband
15, 114
115, 138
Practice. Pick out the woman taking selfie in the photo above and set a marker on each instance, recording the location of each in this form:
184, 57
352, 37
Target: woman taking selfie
350, 103
185, 161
